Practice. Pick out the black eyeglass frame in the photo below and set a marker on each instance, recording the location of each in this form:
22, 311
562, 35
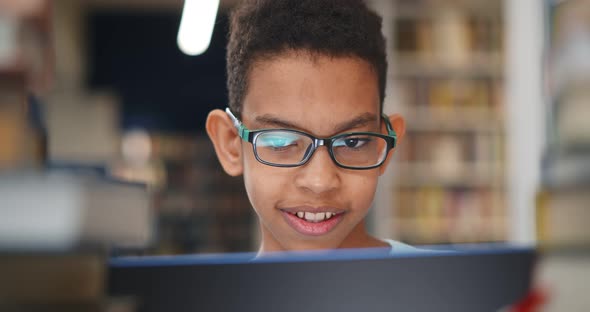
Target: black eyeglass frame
251, 136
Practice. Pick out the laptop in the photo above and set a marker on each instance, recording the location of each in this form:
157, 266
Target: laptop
473, 279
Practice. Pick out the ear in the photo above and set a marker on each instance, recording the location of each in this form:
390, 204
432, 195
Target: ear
227, 143
399, 126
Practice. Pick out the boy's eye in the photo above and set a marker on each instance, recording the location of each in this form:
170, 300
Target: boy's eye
351, 142
271, 140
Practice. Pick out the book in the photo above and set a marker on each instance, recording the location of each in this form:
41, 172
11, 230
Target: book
51, 278
562, 217
68, 281
58, 211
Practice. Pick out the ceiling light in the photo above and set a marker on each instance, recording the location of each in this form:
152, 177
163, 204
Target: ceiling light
196, 25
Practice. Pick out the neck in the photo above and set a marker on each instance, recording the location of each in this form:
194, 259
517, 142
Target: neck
357, 238
360, 238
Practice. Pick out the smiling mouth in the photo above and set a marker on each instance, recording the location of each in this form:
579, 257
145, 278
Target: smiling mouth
314, 217
313, 223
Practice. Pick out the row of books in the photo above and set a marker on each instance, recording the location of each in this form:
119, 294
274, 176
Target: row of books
450, 91
432, 214
448, 37
440, 147
201, 208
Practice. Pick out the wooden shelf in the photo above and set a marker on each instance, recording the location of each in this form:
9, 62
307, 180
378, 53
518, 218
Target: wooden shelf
417, 64
453, 119
445, 230
464, 175
427, 8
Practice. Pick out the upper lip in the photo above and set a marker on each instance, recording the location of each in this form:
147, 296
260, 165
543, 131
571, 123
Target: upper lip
314, 209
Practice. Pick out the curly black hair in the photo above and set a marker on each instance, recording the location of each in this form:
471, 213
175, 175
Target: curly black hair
260, 29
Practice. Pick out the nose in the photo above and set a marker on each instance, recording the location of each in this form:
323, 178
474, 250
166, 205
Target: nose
320, 174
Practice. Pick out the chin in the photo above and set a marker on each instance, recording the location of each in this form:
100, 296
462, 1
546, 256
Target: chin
311, 245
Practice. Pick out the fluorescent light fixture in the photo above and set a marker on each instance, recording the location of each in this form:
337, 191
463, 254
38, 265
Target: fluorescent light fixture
196, 25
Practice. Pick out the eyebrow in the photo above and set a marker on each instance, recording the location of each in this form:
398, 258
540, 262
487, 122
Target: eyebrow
358, 121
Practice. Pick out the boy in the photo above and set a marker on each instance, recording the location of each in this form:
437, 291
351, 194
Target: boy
304, 126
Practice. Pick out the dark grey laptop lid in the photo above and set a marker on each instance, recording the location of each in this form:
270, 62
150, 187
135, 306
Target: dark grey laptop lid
474, 280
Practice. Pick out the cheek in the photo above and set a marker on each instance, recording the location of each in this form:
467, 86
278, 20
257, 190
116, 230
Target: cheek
362, 187
262, 185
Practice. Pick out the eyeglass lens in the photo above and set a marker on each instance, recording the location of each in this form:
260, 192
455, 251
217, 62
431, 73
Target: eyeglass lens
291, 148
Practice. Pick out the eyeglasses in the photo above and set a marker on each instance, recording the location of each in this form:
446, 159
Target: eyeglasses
292, 148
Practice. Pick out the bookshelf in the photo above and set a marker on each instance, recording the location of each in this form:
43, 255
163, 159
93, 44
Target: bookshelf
199, 207
446, 77
562, 213
55, 226
25, 70
562, 203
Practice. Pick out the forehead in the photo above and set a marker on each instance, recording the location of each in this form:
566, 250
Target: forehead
314, 91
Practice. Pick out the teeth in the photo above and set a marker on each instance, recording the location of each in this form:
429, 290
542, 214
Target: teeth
319, 216
314, 217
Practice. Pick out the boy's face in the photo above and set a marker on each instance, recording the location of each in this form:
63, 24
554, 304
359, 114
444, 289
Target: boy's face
323, 96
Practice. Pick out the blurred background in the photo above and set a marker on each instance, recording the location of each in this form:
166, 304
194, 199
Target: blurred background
495, 94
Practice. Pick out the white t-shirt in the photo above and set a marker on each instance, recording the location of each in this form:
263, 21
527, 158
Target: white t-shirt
399, 247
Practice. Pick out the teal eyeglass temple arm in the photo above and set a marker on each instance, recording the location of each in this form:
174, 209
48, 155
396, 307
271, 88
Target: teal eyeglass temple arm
242, 131
388, 126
